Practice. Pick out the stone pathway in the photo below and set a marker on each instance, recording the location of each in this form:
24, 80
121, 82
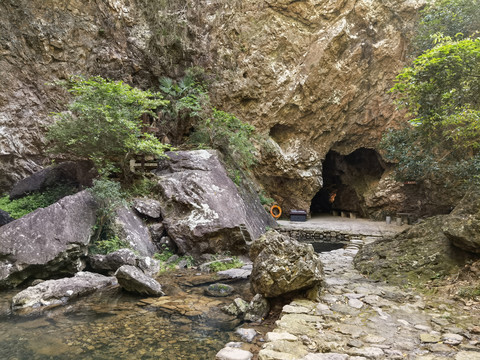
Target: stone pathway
359, 319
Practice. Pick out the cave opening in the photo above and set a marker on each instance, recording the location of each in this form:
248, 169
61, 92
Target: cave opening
346, 179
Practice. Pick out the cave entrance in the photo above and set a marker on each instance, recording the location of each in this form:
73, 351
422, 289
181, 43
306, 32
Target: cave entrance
346, 178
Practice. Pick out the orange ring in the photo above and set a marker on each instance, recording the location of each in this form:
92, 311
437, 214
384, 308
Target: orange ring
279, 211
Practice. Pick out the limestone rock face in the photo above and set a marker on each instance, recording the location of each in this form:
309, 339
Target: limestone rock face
134, 280
282, 265
312, 75
58, 292
202, 209
49, 241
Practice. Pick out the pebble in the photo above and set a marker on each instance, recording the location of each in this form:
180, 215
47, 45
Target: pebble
356, 304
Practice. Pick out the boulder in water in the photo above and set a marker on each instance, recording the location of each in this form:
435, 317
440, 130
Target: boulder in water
133, 279
60, 291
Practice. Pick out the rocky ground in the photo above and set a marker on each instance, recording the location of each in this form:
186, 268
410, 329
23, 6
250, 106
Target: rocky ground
358, 318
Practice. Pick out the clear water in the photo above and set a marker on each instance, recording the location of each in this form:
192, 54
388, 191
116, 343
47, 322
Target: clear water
110, 326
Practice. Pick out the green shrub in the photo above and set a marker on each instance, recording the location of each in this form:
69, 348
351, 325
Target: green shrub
103, 123
225, 265
40, 199
109, 197
212, 128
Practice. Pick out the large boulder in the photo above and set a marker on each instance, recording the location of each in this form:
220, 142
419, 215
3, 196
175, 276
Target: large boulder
49, 241
131, 229
79, 173
462, 226
283, 265
203, 210
132, 279
60, 291
414, 256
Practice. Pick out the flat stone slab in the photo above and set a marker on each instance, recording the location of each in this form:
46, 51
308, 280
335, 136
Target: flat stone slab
229, 353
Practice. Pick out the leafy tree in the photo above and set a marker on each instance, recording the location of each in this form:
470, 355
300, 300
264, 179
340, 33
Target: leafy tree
448, 17
441, 91
103, 123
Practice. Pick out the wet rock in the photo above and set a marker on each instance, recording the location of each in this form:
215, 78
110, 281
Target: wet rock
134, 280
246, 334
202, 208
59, 292
131, 229
282, 265
257, 309
5, 218
75, 173
229, 353
49, 241
237, 308
148, 207
219, 290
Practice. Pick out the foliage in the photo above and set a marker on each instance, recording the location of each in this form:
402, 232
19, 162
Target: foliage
219, 265
212, 128
166, 254
448, 17
264, 199
469, 292
103, 124
441, 92
109, 197
40, 199
227, 133
142, 186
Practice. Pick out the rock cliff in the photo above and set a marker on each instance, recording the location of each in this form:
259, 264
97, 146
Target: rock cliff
313, 75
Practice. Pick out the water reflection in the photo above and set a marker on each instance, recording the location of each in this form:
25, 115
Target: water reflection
115, 325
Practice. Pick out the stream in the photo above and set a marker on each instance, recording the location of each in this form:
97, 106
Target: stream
113, 324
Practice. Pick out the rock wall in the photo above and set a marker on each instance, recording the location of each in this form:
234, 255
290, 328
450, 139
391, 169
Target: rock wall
313, 75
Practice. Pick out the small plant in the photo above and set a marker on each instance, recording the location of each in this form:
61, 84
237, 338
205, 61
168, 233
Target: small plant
40, 199
109, 197
142, 187
469, 292
220, 265
264, 199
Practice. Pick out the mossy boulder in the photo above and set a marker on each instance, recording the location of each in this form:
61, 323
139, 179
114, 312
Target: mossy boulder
415, 256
